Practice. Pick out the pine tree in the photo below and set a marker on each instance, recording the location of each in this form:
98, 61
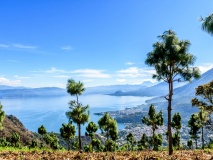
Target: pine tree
172, 63
207, 24
176, 124
42, 131
90, 131
96, 143
108, 127
189, 143
131, 140
2, 116
15, 139
158, 139
79, 113
194, 124
52, 140
143, 143
154, 120
67, 131
203, 118
205, 105
206, 93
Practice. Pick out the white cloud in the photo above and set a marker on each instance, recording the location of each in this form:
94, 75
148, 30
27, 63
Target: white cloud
135, 72
86, 73
121, 80
150, 71
87, 80
130, 63
66, 48
131, 72
12, 60
205, 67
21, 46
91, 73
51, 70
135, 75
20, 77
61, 76
5, 81
4, 46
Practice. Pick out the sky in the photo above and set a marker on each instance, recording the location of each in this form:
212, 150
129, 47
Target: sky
43, 43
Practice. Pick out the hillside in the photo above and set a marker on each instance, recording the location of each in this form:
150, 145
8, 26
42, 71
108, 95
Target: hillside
12, 124
155, 90
161, 89
189, 89
185, 93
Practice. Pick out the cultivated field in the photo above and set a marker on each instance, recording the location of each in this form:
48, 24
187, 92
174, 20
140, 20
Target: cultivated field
143, 155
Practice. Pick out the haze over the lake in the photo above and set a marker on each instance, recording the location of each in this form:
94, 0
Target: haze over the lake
50, 111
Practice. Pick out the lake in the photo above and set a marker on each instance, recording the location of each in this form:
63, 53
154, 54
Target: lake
50, 111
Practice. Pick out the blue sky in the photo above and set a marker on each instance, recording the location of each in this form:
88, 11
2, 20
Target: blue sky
44, 43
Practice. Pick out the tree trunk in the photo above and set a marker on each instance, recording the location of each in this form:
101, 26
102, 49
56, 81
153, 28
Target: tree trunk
79, 137
68, 144
153, 140
77, 98
107, 134
169, 116
202, 139
178, 141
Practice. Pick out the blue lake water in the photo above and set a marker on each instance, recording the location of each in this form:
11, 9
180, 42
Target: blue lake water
50, 111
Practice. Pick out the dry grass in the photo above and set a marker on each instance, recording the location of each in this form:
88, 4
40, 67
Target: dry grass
144, 155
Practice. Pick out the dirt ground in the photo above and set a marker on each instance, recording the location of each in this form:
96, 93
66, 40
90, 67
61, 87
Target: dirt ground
143, 155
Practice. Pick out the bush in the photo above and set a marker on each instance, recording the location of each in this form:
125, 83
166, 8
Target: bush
33, 144
88, 148
210, 145
4, 142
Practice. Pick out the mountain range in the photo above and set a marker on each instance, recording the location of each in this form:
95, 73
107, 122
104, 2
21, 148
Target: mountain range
113, 88
22, 92
161, 89
145, 89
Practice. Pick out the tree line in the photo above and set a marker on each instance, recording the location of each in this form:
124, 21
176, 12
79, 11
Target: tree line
197, 124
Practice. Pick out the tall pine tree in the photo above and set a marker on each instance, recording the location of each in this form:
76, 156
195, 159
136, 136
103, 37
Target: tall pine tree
171, 60
79, 113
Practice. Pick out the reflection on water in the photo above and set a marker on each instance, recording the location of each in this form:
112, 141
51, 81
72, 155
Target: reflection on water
50, 111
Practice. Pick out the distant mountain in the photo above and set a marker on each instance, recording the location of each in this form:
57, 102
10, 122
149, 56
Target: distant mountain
149, 84
161, 89
189, 89
21, 92
4, 87
156, 90
108, 89
32, 92
112, 89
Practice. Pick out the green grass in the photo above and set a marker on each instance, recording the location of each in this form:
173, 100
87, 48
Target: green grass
27, 149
